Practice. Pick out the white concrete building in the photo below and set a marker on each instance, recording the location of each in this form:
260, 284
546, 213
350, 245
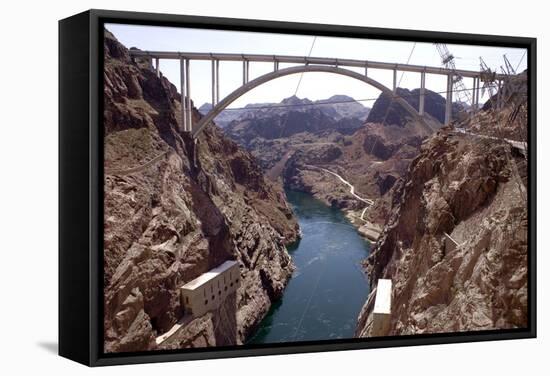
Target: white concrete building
382, 308
207, 291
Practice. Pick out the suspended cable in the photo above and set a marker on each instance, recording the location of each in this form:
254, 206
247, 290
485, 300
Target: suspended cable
392, 97
408, 60
283, 128
520, 60
302, 74
371, 99
304, 312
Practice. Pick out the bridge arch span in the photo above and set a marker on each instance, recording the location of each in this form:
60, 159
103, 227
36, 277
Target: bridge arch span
215, 111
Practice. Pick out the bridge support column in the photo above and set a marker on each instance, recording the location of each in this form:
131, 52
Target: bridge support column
422, 93
215, 83
157, 69
275, 66
499, 95
394, 80
449, 101
183, 89
189, 117
246, 66
477, 92
366, 70
474, 94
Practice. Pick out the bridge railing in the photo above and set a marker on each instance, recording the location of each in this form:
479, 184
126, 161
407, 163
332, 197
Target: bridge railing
307, 60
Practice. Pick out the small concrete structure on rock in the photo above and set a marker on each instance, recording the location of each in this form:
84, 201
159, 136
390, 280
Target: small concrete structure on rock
207, 291
371, 231
382, 308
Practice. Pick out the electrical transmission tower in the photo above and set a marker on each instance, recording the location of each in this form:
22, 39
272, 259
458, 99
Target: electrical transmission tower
508, 69
488, 77
448, 60
511, 86
513, 98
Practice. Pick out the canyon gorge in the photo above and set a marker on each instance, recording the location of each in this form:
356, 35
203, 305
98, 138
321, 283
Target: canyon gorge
314, 199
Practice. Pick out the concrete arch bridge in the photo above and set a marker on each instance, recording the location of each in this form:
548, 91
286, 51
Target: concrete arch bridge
308, 64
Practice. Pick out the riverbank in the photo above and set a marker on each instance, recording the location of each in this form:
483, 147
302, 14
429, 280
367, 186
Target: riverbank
369, 230
357, 217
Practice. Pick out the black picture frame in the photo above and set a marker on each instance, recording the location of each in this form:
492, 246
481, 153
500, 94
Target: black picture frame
81, 185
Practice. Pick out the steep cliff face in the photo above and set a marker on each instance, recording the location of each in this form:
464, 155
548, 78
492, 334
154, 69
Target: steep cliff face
372, 160
504, 114
390, 112
175, 209
472, 189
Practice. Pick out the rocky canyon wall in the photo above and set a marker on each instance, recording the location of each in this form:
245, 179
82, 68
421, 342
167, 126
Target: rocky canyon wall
174, 209
472, 189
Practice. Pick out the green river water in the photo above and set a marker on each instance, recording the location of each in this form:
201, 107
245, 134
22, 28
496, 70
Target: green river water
326, 292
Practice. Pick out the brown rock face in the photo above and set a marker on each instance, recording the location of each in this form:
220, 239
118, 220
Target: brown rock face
470, 188
175, 209
372, 159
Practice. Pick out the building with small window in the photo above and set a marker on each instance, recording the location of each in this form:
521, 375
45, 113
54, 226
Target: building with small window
207, 291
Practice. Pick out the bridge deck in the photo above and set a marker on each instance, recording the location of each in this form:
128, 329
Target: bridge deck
307, 60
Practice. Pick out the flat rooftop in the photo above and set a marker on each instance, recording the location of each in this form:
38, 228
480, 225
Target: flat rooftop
209, 275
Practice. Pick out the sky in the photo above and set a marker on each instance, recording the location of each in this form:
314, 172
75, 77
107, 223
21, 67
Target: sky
312, 85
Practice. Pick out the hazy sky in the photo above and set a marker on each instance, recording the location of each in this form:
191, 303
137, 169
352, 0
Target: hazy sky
313, 85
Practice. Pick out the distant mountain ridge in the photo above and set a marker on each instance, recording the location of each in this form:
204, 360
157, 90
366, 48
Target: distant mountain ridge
337, 107
434, 105
295, 115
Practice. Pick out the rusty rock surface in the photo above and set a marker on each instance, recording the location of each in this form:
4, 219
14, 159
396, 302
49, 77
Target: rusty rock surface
174, 209
472, 189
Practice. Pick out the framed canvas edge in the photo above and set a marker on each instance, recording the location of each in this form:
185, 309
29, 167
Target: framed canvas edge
98, 17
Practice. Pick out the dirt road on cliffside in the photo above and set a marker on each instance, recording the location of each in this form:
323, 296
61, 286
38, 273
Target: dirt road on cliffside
367, 201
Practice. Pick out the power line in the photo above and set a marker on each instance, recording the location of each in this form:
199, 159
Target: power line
335, 102
408, 60
520, 60
302, 74
393, 96
298, 85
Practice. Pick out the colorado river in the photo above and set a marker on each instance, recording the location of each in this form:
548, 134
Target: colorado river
326, 292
